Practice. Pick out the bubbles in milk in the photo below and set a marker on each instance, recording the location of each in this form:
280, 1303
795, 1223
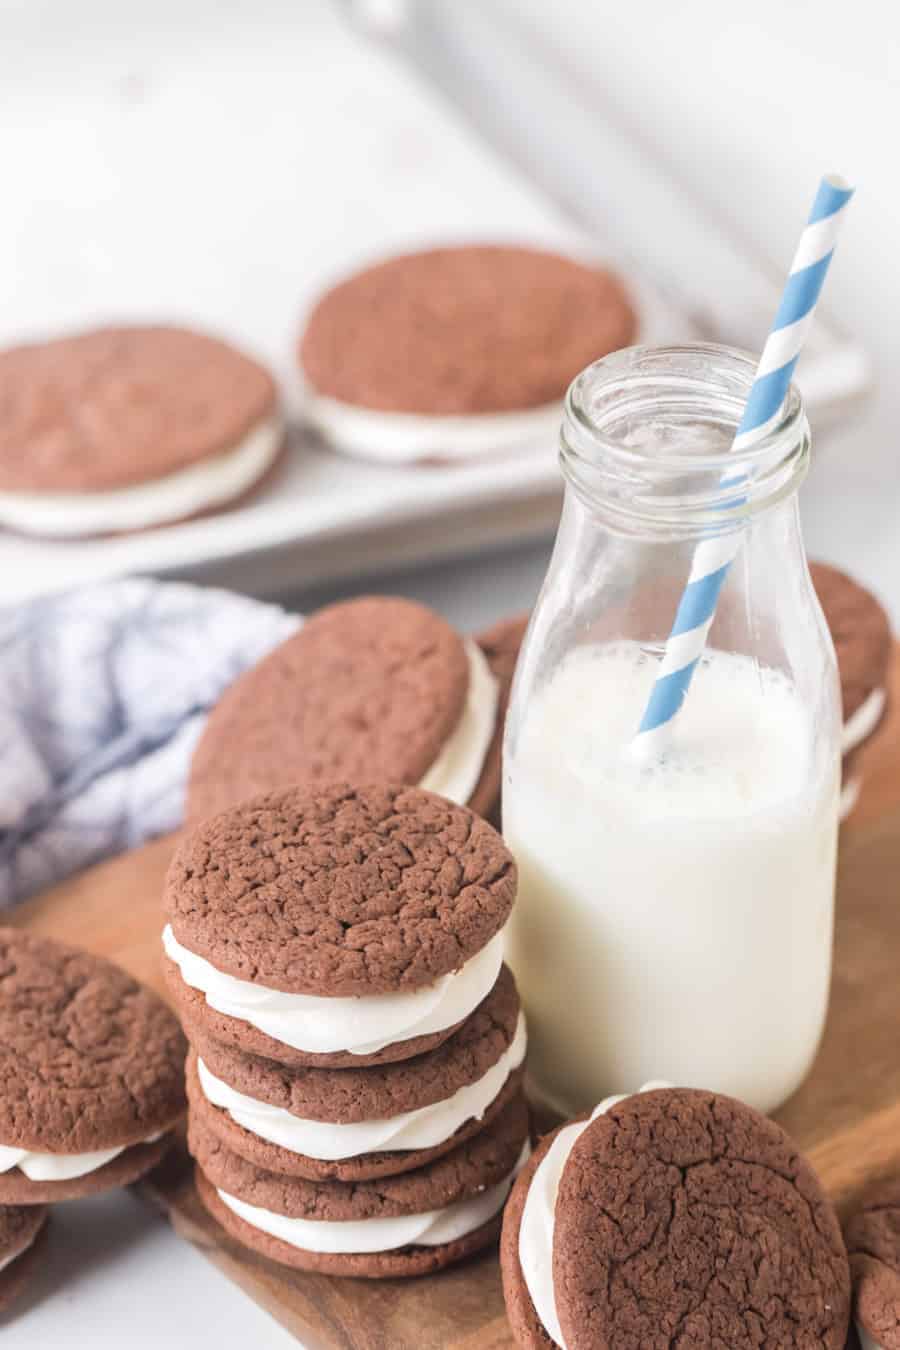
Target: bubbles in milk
740, 742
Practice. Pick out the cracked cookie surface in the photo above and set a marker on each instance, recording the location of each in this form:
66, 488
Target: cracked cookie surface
114, 407
368, 690
465, 329
686, 1220
873, 1242
341, 891
89, 1058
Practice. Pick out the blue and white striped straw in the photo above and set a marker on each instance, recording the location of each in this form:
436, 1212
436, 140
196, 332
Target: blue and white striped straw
713, 557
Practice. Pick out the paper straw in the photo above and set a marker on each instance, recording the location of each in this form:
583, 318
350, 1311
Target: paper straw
713, 557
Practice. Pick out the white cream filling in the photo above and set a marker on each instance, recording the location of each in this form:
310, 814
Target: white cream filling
357, 1026
62, 1166
864, 721
425, 1127
865, 1340
402, 438
8, 1257
362, 1236
849, 797
539, 1217
457, 769
200, 487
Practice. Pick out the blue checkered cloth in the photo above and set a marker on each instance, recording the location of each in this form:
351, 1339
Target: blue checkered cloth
103, 693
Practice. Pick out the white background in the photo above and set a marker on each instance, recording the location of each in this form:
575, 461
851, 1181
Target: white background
750, 103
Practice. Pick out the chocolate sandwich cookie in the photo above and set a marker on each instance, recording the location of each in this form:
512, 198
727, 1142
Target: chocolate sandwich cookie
673, 1217
374, 689
339, 921
873, 1242
457, 351
403, 1225
120, 429
21, 1238
356, 1124
91, 1073
861, 632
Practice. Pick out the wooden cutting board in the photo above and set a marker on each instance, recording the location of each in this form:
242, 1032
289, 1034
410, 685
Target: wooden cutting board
846, 1116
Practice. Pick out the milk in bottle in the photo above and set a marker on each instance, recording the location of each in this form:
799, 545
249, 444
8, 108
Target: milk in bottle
675, 908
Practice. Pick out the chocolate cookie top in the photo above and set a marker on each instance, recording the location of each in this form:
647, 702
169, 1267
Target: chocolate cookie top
384, 1091
861, 632
873, 1242
19, 1224
89, 1059
340, 891
474, 329
367, 690
686, 1217
118, 406
482, 1161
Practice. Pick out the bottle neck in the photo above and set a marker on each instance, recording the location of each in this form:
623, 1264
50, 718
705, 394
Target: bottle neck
647, 443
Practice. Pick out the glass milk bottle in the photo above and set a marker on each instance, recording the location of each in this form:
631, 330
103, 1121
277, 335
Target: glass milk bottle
675, 907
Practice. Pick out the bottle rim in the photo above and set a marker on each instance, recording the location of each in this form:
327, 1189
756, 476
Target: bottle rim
662, 482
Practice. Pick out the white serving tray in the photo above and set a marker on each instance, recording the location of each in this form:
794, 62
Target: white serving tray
220, 173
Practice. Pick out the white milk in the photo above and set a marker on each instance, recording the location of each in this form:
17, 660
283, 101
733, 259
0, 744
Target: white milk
674, 919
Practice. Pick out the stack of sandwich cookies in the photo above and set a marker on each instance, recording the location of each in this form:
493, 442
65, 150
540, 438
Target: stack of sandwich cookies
371, 690
455, 352
360, 1123
336, 955
21, 1233
672, 1217
409, 1224
92, 1073
873, 1243
121, 429
862, 639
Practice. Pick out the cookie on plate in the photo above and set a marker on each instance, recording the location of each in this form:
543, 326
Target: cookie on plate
356, 1124
91, 1073
121, 429
672, 1216
873, 1242
373, 689
457, 351
21, 1234
861, 632
410, 1224
337, 925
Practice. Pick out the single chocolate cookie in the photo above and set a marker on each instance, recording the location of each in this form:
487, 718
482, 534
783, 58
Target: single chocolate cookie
873, 1242
340, 891
474, 1176
370, 690
861, 632
123, 428
463, 330
91, 1063
359, 1095
683, 1217
21, 1234
501, 644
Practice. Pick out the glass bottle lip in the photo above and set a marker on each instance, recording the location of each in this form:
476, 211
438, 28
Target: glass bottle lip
667, 483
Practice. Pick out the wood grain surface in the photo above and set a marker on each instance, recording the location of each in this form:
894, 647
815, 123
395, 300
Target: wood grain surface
846, 1116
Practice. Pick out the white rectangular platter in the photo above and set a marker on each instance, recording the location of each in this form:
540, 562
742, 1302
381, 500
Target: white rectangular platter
217, 165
